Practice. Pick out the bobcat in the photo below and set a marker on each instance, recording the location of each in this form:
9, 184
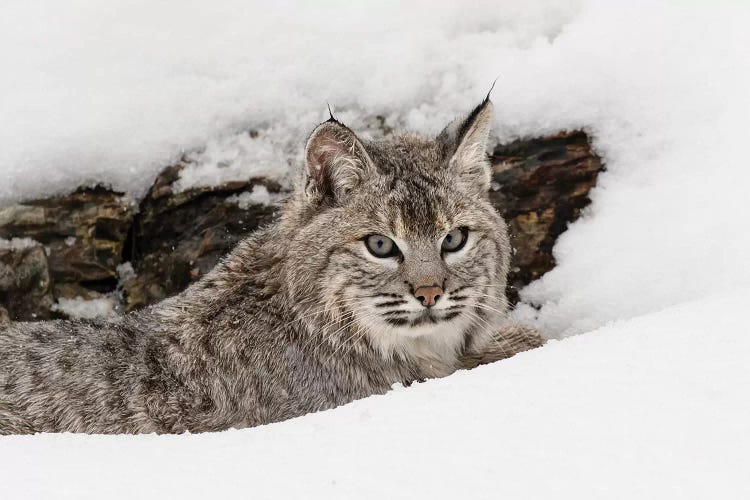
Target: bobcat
387, 265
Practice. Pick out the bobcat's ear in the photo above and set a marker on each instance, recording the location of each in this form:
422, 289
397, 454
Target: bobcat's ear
335, 162
465, 145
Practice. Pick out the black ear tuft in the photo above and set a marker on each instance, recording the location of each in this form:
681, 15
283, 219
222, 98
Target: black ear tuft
464, 145
492, 87
478, 121
330, 114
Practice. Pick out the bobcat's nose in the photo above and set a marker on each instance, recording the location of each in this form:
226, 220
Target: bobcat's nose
428, 295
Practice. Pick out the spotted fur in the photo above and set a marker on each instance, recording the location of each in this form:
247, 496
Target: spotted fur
299, 317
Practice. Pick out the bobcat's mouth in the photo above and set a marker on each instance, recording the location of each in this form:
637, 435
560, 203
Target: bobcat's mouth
429, 316
425, 317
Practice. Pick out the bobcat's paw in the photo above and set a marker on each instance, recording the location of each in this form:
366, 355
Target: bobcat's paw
507, 341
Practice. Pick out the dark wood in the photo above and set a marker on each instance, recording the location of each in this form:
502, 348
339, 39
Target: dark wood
178, 237
541, 185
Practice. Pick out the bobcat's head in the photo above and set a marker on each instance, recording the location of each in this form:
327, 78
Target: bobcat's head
395, 242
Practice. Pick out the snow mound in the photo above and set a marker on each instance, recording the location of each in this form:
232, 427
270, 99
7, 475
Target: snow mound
99, 93
655, 407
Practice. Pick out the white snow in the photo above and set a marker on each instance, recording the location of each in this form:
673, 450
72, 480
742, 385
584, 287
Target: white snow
259, 195
125, 273
114, 91
651, 401
654, 407
97, 307
80, 307
17, 243
238, 157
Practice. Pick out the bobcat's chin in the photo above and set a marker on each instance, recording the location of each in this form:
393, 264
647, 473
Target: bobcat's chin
437, 333
437, 344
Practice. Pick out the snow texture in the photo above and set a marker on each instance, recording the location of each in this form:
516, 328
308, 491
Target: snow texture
17, 244
79, 307
259, 195
651, 402
655, 407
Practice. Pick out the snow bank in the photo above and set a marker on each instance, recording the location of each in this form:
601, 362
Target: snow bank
652, 408
112, 92
669, 113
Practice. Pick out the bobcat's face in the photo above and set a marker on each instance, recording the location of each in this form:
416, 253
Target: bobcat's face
401, 246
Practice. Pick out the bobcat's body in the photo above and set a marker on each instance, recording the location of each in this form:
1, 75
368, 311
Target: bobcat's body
276, 330
183, 365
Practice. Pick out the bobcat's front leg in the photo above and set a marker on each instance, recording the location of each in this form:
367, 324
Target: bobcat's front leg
507, 341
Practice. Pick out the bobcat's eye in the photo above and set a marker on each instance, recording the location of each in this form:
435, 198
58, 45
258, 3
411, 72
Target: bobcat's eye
455, 240
381, 246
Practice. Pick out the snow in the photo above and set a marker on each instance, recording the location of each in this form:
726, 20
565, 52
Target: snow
125, 273
259, 195
80, 307
113, 92
236, 157
650, 401
654, 407
17, 244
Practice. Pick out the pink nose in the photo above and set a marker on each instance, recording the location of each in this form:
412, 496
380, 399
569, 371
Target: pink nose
428, 295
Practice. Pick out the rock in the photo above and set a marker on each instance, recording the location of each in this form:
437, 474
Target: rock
25, 292
179, 236
83, 234
541, 185
83, 231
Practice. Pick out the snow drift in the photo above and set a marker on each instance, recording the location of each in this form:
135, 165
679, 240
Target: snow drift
654, 407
